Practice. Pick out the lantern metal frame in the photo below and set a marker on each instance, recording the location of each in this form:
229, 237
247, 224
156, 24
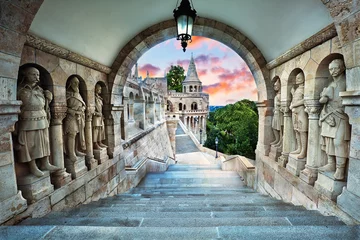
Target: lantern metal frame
184, 9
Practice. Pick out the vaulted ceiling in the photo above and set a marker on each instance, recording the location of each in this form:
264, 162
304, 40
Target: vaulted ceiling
99, 29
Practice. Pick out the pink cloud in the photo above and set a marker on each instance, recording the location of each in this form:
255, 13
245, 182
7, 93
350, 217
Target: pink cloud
202, 72
153, 70
217, 70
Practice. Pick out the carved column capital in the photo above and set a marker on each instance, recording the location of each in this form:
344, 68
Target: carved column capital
313, 108
285, 108
58, 113
90, 110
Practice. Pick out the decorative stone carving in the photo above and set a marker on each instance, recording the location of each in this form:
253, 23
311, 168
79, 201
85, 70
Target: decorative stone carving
74, 124
100, 149
74, 130
335, 128
277, 121
98, 121
299, 116
32, 133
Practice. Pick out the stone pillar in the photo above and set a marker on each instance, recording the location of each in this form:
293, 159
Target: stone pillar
124, 125
151, 111
349, 200
171, 124
265, 110
139, 112
157, 110
196, 125
113, 121
314, 159
131, 113
288, 134
11, 200
91, 162
61, 177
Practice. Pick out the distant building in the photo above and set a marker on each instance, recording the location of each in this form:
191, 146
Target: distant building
191, 105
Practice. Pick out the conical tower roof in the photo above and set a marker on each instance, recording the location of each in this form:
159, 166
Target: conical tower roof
192, 75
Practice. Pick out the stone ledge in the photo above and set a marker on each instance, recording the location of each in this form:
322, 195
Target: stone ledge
322, 36
51, 48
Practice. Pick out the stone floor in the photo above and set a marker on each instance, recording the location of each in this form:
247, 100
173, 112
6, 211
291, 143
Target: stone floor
186, 202
192, 200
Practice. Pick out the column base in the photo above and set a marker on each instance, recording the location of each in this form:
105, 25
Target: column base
77, 168
349, 203
275, 153
91, 162
263, 149
60, 178
101, 155
283, 160
309, 175
295, 165
35, 188
12, 206
327, 185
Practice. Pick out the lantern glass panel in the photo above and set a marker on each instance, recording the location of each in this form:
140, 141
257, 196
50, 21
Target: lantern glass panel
181, 24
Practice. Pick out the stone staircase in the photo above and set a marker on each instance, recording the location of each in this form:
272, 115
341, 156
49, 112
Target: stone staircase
186, 202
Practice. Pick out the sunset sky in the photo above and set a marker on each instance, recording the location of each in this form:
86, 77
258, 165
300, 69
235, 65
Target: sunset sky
224, 75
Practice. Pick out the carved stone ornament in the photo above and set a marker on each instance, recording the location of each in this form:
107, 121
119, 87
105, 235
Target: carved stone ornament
335, 128
74, 123
32, 133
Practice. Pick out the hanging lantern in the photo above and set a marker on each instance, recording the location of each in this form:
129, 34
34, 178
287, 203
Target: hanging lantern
184, 16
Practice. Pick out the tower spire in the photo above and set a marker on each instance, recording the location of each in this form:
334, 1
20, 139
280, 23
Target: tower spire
136, 71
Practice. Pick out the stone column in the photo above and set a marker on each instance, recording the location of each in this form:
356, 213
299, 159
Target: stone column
171, 124
124, 125
265, 110
139, 112
131, 113
349, 200
151, 110
162, 107
11, 199
196, 125
314, 159
288, 134
91, 162
157, 110
60, 177
113, 121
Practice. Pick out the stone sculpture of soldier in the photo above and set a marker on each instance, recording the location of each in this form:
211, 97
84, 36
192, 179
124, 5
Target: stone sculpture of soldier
98, 121
32, 140
277, 121
74, 123
335, 128
299, 116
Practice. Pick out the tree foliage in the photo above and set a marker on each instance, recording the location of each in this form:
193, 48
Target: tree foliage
236, 126
175, 77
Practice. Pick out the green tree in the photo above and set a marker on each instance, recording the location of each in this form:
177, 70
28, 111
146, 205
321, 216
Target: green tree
175, 77
236, 126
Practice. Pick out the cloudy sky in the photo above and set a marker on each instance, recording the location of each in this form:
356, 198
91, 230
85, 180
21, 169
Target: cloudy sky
224, 75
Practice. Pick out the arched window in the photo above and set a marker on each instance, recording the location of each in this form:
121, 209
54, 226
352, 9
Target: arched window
195, 89
184, 107
180, 106
191, 88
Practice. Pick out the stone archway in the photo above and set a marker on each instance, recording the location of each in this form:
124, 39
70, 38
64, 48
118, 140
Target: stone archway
163, 31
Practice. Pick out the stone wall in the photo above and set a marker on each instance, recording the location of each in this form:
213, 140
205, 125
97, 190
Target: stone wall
281, 173
100, 173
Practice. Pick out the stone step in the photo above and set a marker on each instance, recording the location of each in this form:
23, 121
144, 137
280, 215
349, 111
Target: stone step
177, 167
209, 214
121, 221
244, 207
229, 232
152, 201
247, 202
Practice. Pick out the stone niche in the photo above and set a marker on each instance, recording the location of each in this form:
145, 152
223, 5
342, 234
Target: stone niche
312, 92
